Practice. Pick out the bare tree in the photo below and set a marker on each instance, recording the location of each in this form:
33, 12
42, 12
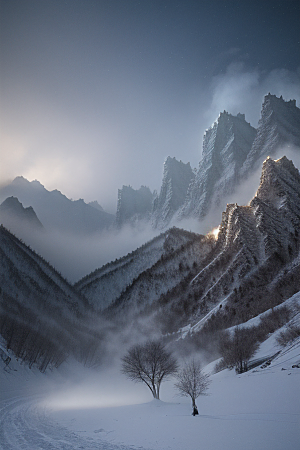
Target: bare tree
192, 382
238, 348
149, 363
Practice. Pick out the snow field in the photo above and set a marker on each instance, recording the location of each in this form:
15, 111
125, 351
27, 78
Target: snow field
257, 410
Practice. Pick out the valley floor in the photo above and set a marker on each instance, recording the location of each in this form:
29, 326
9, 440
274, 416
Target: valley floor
256, 410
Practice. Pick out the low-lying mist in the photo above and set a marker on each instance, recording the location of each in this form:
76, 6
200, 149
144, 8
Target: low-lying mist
76, 255
91, 388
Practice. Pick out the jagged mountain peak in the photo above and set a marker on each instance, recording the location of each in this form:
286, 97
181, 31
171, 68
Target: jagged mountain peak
279, 182
225, 148
96, 205
275, 102
278, 126
177, 177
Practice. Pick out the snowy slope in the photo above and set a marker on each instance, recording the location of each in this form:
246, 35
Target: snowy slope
259, 409
106, 284
43, 319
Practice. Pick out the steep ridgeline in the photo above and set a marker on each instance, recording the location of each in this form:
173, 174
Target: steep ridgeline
133, 205
279, 126
174, 267
225, 148
253, 265
104, 286
55, 210
177, 177
43, 319
14, 215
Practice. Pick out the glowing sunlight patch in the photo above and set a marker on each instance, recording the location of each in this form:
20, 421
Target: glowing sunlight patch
215, 232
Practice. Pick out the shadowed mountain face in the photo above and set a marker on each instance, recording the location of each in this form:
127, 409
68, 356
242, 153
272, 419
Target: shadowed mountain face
133, 205
14, 215
105, 285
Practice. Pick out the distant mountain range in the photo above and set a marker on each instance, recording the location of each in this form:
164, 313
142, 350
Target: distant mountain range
55, 210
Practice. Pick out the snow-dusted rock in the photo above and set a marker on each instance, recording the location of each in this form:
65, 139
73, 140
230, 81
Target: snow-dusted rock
278, 126
225, 148
177, 177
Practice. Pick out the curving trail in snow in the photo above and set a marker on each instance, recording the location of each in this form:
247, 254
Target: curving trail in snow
26, 425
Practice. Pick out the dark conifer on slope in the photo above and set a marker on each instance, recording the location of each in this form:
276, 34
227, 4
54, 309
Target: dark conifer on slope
43, 319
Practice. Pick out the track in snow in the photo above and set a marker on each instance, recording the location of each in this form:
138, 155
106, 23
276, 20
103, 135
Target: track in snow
25, 425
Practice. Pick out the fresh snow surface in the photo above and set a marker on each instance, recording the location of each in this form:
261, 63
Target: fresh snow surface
256, 410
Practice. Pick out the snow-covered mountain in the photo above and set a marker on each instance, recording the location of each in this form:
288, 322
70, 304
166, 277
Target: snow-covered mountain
55, 210
177, 177
225, 148
251, 266
232, 151
133, 205
179, 279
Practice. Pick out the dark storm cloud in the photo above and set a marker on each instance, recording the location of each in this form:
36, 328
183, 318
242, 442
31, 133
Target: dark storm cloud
97, 94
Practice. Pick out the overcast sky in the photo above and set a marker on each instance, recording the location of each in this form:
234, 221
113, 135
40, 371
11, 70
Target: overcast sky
95, 94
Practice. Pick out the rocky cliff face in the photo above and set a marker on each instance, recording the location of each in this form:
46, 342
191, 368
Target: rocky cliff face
278, 126
133, 205
225, 148
232, 150
177, 177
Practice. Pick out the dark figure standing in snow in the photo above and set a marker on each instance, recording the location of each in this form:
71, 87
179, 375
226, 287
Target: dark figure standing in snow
195, 411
